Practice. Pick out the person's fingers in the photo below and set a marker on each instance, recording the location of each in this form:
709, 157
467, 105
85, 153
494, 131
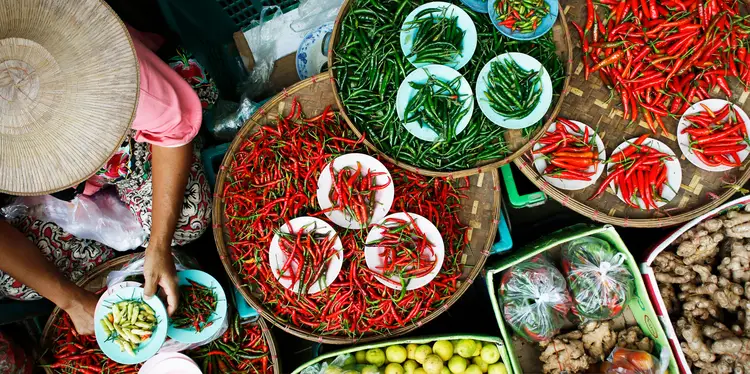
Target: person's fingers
149, 289
169, 284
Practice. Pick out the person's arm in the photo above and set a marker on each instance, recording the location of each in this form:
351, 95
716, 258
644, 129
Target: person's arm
22, 260
170, 168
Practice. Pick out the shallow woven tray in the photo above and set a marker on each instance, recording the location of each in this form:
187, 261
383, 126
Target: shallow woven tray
480, 211
97, 279
514, 138
700, 192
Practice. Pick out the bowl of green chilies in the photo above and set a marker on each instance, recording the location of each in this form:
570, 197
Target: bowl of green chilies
514, 90
435, 103
438, 33
523, 19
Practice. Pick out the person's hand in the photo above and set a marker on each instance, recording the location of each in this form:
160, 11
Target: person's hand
81, 312
159, 270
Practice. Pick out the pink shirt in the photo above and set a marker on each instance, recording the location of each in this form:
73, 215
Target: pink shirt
169, 112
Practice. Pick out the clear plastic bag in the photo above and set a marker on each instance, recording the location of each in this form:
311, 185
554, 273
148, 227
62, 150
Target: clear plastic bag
316, 13
599, 280
339, 365
230, 117
535, 299
134, 269
263, 45
628, 361
102, 217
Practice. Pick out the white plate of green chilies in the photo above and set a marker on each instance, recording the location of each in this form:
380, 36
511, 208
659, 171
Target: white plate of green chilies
406, 92
528, 63
436, 51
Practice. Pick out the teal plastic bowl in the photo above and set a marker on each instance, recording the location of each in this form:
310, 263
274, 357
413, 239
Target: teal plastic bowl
145, 350
189, 335
544, 27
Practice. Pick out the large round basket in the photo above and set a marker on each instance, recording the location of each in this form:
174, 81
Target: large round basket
588, 102
516, 141
97, 279
479, 210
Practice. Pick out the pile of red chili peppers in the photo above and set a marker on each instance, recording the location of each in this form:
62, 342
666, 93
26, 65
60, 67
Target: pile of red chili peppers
74, 353
660, 56
638, 171
242, 349
354, 193
273, 178
307, 256
571, 155
405, 250
197, 305
717, 138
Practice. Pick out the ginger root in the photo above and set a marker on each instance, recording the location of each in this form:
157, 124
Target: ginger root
668, 268
693, 336
737, 224
668, 294
598, 339
564, 353
736, 266
701, 248
633, 338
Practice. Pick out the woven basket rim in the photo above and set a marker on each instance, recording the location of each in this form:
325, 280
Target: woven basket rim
462, 172
599, 216
217, 216
126, 129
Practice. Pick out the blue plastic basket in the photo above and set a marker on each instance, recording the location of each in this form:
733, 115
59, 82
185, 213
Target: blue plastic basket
504, 242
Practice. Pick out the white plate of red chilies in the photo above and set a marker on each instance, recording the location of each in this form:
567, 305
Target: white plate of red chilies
573, 162
404, 249
712, 135
306, 255
363, 192
644, 169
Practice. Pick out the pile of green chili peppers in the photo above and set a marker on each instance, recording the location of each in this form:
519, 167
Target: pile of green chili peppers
512, 91
438, 39
437, 105
369, 67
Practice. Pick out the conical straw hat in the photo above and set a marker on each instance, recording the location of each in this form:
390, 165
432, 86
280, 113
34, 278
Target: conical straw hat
68, 92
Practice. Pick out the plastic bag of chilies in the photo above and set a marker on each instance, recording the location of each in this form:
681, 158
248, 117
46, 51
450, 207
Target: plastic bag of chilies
598, 277
535, 299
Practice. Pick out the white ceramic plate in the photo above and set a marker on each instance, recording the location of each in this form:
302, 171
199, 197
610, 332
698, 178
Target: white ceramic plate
312, 53
674, 172
170, 363
373, 259
383, 198
529, 63
540, 163
683, 141
465, 23
277, 258
406, 92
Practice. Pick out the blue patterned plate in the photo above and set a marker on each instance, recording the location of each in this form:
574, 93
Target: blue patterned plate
312, 54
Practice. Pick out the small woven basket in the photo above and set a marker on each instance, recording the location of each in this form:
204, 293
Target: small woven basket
97, 279
480, 210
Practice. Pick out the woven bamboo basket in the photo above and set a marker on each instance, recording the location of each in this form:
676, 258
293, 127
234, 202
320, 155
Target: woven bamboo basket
516, 142
700, 192
480, 210
97, 279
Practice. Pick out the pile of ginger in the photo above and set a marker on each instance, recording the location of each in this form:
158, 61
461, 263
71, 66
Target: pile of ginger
705, 285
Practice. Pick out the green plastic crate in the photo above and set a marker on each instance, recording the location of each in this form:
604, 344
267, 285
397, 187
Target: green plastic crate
640, 305
245, 13
422, 340
520, 201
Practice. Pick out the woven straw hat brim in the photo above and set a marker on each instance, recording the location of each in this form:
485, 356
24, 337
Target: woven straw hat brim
68, 92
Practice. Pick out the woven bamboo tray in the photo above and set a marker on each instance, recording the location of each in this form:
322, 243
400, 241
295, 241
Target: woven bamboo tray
516, 142
97, 279
480, 211
700, 192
